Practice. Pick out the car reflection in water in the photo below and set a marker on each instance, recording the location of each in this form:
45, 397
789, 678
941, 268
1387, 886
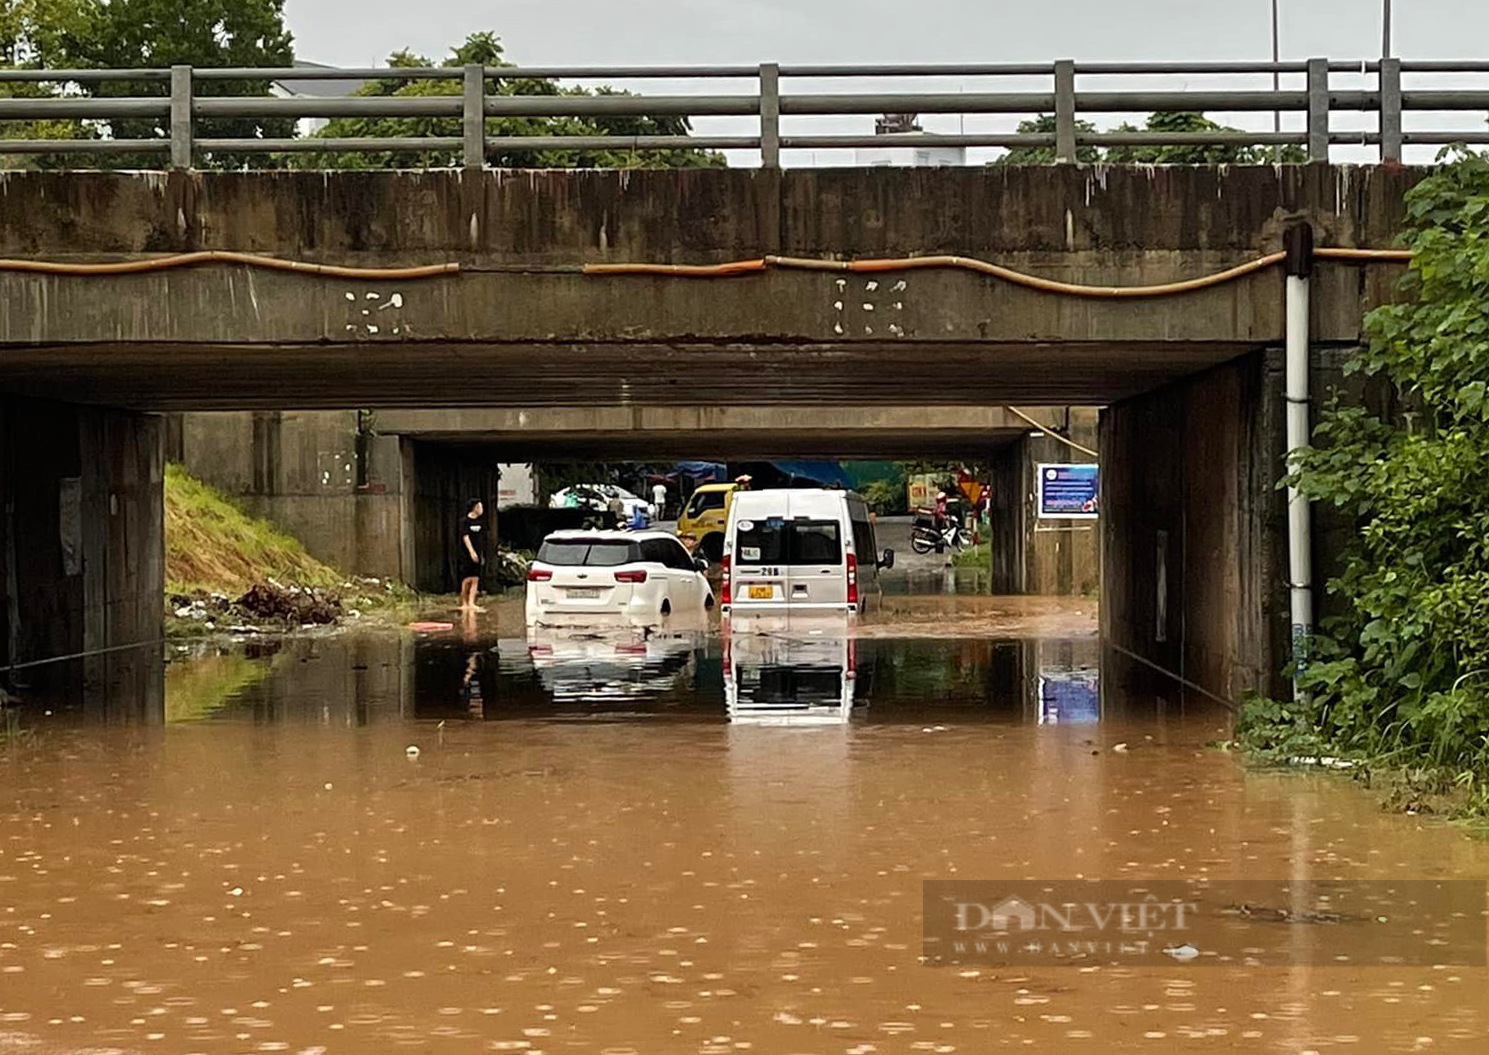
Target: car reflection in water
602, 667
792, 670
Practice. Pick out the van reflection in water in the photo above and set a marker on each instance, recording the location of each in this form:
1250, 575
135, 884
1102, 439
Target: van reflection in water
791, 670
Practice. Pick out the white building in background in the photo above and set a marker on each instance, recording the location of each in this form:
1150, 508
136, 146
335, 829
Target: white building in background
926, 155
298, 88
517, 485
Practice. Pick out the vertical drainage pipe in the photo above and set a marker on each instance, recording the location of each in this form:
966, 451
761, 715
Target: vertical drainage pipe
1298, 241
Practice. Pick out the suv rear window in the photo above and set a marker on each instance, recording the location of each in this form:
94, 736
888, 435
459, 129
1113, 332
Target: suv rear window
588, 553
780, 541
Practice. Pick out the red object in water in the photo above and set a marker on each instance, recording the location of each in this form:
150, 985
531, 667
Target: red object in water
430, 627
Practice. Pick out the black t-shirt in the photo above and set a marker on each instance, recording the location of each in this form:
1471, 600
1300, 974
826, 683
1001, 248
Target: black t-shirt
470, 529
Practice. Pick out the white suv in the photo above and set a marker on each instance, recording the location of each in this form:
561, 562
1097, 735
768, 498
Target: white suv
639, 575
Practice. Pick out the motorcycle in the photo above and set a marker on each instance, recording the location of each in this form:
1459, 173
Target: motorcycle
925, 535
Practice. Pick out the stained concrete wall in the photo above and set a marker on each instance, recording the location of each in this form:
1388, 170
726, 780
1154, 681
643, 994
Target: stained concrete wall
1032, 555
445, 480
521, 313
1193, 531
82, 557
326, 478
363, 501
1194, 526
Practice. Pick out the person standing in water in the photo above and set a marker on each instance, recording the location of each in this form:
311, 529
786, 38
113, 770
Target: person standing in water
470, 555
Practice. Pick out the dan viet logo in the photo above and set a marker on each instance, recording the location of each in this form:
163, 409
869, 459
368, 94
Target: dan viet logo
1072, 928
1201, 922
1128, 917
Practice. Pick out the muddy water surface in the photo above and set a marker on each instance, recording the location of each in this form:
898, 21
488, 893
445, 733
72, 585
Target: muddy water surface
668, 845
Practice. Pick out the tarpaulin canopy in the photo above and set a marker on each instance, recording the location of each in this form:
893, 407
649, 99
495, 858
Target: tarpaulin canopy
706, 472
828, 474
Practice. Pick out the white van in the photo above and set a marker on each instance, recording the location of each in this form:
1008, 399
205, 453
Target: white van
800, 550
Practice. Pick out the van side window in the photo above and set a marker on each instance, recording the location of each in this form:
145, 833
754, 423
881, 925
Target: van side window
677, 556
863, 540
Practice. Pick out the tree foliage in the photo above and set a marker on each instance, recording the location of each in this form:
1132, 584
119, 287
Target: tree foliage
1044, 124
1170, 154
205, 33
32, 36
123, 34
1177, 154
1404, 670
486, 48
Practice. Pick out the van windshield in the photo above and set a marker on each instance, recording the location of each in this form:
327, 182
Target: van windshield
588, 553
777, 540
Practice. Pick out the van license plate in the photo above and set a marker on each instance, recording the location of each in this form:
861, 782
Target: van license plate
582, 592
762, 593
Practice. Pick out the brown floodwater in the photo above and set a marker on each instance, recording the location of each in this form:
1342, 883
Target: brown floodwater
616, 845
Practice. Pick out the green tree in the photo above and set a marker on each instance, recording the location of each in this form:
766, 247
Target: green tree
31, 36
1215, 154
486, 48
1404, 669
121, 34
1219, 154
1044, 124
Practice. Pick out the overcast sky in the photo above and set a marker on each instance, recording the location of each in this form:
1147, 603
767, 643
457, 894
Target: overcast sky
642, 32
618, 32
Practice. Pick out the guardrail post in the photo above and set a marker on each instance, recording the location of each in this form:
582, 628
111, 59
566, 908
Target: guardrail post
1390, 109
181, 117
473, 116
1065, 150
1318, 109
770, 115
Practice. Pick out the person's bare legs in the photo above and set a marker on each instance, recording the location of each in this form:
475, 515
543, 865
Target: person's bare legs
468, 589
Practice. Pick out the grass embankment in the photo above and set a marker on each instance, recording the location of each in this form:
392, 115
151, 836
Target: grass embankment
213, 546
978, 556
227, 570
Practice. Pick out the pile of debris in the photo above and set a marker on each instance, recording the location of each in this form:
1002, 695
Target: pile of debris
509, 568
293, 605
265, 606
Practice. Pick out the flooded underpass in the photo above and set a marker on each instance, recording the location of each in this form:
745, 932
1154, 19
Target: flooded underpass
684, 841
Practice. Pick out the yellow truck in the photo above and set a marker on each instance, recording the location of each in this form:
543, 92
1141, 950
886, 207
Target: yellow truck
705, 517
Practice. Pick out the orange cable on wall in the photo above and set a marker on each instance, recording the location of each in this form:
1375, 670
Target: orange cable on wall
1048, 285
225, 256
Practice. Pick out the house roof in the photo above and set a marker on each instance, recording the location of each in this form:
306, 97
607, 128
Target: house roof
324, 89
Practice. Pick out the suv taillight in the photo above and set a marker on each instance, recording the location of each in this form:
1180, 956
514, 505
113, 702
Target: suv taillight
726, 587
539, 575
852, 579
638, 575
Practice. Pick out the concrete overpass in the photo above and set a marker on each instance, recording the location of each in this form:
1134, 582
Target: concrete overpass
1191, 439
842, 430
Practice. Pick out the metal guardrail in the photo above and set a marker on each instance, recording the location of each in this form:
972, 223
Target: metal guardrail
1318, 100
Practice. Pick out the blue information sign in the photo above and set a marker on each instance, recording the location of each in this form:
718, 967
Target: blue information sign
1068, 492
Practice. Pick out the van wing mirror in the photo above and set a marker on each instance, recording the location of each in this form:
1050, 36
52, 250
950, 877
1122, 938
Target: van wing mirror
888, 559
701, 563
